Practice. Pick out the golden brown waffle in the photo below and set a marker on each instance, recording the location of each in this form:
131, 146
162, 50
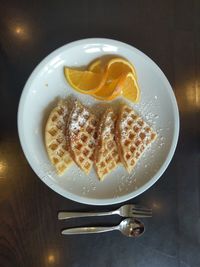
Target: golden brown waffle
106, 154
55, 139
133, 136
82, 136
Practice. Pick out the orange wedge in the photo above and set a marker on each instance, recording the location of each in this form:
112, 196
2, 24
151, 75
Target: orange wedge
86, 82
115, 77
96, 66
130, 88
105, 80
110, 90
126, 86
117, 67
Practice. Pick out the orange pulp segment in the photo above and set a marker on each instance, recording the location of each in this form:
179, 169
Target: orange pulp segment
118, 66
83, 81
96, 66
130, 89
110, 91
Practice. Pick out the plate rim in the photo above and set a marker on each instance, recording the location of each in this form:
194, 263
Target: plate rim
94, 201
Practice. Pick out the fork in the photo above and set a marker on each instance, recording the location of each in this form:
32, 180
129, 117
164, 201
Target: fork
128, 210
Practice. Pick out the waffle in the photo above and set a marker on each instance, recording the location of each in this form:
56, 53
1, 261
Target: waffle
133, 137
82, 136
55, 140
106, 154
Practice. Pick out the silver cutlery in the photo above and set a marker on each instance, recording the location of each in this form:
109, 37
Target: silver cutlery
128, 210
129, 227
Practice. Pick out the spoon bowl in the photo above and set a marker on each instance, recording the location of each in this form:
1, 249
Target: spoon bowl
131, 227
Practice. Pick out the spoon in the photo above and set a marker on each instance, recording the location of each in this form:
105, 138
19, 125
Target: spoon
129, 227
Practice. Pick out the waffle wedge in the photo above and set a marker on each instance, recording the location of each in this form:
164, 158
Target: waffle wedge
82, 136
55, 139
133, 136
106, 154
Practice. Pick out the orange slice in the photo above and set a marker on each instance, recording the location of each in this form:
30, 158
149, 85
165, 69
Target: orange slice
130, 89
96, 66
110, 91
84, 81
115, 77
118, 66
105, 80
126, 86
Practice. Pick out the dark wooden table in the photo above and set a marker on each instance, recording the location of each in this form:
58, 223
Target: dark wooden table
169, 32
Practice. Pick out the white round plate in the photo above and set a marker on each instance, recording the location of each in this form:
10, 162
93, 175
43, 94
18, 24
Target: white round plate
158, 107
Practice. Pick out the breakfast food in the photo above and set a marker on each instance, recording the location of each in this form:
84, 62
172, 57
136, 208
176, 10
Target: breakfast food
106, 154
130, 89
85, 82
72, 136
133, 136
82, 136
106, 80
118, 66
55, 139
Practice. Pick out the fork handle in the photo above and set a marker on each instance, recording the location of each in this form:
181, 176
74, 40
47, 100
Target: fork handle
63, 215
88, 230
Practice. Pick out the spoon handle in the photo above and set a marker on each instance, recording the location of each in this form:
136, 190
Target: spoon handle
88, 230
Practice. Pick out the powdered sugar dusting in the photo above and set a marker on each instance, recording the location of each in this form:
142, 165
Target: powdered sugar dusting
108, 127
78, 119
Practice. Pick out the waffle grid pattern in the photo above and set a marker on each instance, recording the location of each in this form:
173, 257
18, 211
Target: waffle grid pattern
134, 136
55, 138
82, 136
106, 154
